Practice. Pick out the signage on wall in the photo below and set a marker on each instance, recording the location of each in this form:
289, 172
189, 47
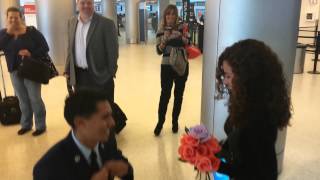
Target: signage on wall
29, 9
310, 16
30, 12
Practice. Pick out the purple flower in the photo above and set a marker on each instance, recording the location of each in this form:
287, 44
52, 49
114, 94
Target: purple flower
200, 132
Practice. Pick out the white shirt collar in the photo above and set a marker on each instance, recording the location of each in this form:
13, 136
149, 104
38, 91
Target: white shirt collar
83, 149
85, 22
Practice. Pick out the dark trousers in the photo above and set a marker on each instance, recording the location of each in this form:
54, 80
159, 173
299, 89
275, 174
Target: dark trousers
84, 80
168, 77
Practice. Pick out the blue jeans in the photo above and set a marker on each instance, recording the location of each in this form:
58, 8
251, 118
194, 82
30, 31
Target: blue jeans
29, 95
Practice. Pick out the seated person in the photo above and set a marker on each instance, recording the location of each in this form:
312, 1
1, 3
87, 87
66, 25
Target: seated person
90, 149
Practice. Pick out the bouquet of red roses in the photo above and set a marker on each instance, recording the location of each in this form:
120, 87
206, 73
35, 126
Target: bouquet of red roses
198, 148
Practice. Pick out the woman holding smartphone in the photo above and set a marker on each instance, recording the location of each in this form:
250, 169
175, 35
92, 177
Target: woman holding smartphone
170, 35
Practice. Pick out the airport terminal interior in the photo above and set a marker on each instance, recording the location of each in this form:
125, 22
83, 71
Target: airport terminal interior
137, 92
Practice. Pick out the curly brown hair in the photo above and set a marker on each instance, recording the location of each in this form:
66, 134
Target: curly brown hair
259, 94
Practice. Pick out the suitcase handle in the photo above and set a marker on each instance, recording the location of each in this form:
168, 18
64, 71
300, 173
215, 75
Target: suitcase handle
4, 85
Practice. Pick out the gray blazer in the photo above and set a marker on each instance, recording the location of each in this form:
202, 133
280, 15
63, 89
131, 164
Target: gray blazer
102, 49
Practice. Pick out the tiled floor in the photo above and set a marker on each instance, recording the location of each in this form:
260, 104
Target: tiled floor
302, 157
137, 92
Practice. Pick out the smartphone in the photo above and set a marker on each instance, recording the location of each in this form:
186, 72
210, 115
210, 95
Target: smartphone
168, 28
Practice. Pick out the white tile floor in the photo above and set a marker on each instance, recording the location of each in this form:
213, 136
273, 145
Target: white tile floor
137, 92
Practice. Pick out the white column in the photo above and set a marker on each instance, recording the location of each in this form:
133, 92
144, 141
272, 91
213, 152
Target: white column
109, 10
210, 55
132, 21
228, 21
4, 5
162, 4
52, 19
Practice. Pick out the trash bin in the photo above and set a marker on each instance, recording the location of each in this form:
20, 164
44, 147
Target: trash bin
299, 60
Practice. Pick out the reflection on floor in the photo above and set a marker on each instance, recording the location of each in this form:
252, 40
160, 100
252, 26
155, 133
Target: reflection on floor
137, 92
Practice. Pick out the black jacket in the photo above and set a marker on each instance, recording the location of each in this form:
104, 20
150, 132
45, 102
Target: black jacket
64, 161
250, 153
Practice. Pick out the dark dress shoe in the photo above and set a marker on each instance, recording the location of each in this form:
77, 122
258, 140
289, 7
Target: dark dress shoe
38, 132
23, 131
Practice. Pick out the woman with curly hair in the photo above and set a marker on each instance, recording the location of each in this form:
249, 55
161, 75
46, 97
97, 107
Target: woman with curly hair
259, 106
170, 35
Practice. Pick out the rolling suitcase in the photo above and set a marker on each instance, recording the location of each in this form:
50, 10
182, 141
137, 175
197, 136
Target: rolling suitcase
10, 112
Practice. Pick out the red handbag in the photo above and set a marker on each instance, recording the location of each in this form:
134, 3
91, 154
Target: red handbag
193, 51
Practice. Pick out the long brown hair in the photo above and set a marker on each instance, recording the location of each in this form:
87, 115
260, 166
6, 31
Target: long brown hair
167, 11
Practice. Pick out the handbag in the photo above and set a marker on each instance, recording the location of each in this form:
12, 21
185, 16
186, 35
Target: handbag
178, 60
193, 51
53, 70
39, 70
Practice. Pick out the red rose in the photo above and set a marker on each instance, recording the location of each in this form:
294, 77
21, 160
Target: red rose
213, 144
187, 153
203, 150
215, 162
189, 140
213, 150
203, 164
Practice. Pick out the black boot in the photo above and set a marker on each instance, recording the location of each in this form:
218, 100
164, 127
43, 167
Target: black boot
175, 126
158, 128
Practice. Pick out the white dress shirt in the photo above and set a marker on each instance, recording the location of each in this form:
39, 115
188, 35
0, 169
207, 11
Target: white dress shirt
81, 42
86, 151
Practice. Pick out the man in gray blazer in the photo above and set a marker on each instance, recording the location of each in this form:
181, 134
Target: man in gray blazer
92, 50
